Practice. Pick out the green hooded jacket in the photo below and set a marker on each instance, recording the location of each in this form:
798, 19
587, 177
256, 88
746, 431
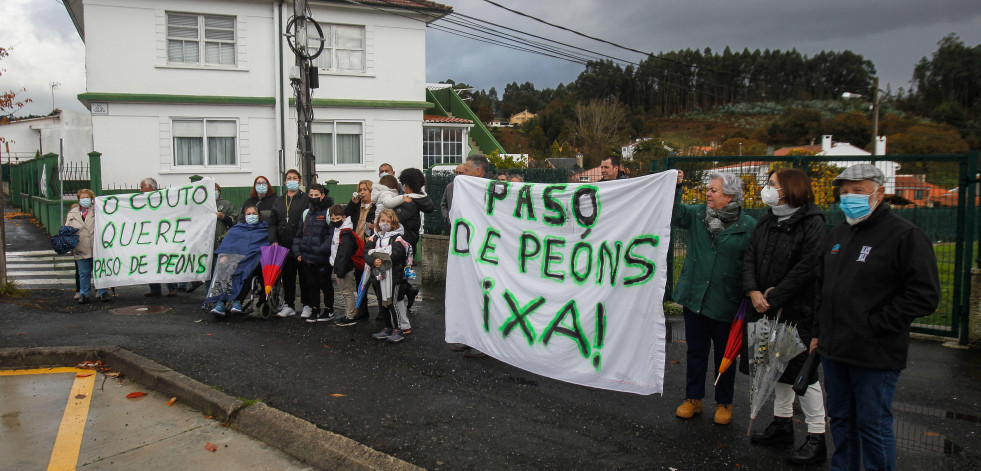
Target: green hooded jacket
711, 279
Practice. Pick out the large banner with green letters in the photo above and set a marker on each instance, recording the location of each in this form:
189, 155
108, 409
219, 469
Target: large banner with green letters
162, 236
563, 280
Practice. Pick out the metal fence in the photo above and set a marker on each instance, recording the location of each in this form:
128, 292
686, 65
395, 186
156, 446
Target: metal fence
935, 192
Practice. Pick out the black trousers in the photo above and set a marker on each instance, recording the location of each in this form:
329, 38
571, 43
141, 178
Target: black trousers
291, 268
318, 281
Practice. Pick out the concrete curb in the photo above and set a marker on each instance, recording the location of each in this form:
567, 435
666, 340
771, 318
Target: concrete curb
292, 435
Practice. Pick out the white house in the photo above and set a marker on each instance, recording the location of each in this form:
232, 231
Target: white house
888, 167
184, 87
26, 138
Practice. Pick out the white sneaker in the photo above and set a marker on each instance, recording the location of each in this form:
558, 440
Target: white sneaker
306, 312
78, 296
286, 311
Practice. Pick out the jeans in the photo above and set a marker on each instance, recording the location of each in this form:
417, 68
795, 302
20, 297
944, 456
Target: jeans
701, 334
155, 287
85, 277
860, 408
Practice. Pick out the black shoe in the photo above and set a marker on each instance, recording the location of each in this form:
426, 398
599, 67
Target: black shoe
474, 353
459, 347
323, 316
83, 300
779, 432
151, 294
813, 451
345, 322
172, 294
181, 289
105, 297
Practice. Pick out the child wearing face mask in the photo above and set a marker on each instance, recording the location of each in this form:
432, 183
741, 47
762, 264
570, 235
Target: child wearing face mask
312, 249
82, 217
348, 262
385, 194
387, 243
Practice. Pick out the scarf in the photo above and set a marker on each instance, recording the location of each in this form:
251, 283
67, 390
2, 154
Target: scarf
783, 212
716, 220
359, 229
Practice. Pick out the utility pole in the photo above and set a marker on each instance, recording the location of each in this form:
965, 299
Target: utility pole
53, 86
875, 116
304, 99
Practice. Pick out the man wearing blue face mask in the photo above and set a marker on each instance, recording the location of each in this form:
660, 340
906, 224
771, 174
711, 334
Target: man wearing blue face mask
879, 274
284, 222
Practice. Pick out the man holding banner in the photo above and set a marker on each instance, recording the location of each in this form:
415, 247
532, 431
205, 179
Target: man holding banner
157, 235
563, 280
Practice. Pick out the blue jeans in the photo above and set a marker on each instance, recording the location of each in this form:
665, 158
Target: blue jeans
860, 408
85, 277
702, 334
155, 287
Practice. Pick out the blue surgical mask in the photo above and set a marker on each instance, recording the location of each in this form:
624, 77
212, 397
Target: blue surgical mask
85, 202
261, 188
292, 185
217, 194
383, 174
855, 207
252, 218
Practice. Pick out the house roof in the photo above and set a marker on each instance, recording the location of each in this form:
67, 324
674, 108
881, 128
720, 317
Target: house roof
410, 4
431, 118
786, 150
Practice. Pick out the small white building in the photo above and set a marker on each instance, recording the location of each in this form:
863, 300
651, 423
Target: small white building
27, 138
842, 149
184, 87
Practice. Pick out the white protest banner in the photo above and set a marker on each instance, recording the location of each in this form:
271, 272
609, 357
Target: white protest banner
163, 236
563, 280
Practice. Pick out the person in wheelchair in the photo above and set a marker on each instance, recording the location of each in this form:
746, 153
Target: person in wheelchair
237, 270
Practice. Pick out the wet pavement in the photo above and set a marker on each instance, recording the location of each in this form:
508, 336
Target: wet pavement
425, 404
60, 418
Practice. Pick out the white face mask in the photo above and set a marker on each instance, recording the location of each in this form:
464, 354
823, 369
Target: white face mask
770, 196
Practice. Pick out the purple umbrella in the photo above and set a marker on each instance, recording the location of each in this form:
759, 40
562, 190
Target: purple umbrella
272, 259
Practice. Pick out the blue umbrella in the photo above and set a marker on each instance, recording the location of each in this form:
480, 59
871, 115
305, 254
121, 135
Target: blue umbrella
363, 287
65, 240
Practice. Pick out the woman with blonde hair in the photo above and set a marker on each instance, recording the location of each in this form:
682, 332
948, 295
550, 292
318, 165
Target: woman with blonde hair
361, 210
82, 217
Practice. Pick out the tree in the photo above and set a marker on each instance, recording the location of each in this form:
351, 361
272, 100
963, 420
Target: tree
9, 101
796, 127
747, 147
928, 139
598, 127
854, 128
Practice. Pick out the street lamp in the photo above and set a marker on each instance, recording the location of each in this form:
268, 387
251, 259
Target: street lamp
875, 111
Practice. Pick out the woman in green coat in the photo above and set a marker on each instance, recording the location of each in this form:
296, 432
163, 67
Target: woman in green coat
710, 287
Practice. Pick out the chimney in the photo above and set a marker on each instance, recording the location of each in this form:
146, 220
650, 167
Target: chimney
826, 143
880, 145
579, 159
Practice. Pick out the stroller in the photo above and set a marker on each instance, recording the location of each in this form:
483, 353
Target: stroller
225, 286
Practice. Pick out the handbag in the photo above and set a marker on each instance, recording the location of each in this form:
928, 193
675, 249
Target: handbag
808, 373
65, 240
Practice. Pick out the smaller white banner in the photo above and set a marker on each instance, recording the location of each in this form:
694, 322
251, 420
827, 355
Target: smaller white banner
163, 236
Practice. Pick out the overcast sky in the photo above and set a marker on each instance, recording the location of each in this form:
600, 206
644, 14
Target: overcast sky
893, 34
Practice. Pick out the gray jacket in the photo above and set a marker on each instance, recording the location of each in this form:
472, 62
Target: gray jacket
446, 202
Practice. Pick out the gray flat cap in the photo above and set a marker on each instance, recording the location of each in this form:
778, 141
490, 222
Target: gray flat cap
860, 172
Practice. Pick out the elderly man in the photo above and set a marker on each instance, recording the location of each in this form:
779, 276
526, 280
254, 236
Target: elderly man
147, 185
879, 275
610, 169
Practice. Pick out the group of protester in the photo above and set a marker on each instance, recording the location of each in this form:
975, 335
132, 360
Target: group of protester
328, 243
852, 294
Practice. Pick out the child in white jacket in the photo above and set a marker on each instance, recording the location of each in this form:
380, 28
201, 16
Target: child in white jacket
385, 194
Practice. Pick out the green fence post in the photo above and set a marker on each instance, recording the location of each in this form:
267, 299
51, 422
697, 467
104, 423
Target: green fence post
971, 185
95, 172
15, 184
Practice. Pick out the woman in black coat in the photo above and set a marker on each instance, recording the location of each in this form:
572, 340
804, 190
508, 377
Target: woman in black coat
780, 274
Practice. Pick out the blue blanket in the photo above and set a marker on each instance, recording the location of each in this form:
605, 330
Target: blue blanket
245, 240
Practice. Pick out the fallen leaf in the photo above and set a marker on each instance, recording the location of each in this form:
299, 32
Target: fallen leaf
720, 445
80, 375
171, 401
136, 394
209, 334
21, 333
80, 396
208, 417
931, 434
336, 395
325, 346
211, 447
113, 374
674, 361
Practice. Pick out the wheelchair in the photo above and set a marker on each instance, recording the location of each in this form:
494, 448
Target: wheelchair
257, 304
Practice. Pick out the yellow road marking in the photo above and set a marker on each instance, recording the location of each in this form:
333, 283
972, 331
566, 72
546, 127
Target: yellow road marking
67, 444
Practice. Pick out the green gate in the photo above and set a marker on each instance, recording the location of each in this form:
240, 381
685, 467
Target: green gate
938, 193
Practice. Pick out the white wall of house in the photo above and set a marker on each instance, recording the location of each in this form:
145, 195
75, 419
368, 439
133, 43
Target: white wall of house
127, 53
28, 137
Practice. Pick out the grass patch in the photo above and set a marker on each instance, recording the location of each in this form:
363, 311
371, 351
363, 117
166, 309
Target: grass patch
217, 388
10, 289
248, 402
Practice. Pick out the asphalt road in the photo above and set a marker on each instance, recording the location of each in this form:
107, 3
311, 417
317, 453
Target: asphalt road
427, 405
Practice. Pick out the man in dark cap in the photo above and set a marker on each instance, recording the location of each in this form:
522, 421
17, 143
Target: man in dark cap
879, 274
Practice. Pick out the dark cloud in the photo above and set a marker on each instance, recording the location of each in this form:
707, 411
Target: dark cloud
893, 35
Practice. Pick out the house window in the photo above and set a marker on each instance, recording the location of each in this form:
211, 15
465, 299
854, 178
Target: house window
205, 142
918, 194
188, 35
442, 146
343, 49
338, 143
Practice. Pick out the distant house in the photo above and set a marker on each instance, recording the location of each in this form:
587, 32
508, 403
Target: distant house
498, 122
27, 138
521, 118
179, 87
627, 150
915, 190
844, 149
785, 151
451, 130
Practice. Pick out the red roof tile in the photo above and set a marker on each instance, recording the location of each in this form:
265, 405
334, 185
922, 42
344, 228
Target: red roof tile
431, 118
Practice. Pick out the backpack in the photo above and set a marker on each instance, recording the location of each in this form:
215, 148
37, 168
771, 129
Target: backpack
358, 257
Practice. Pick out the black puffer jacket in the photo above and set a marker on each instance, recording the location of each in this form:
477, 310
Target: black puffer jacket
264, 205
408, 214
313, 240
786, 256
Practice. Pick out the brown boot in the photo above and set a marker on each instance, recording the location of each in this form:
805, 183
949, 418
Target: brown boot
723, 414
689, 408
